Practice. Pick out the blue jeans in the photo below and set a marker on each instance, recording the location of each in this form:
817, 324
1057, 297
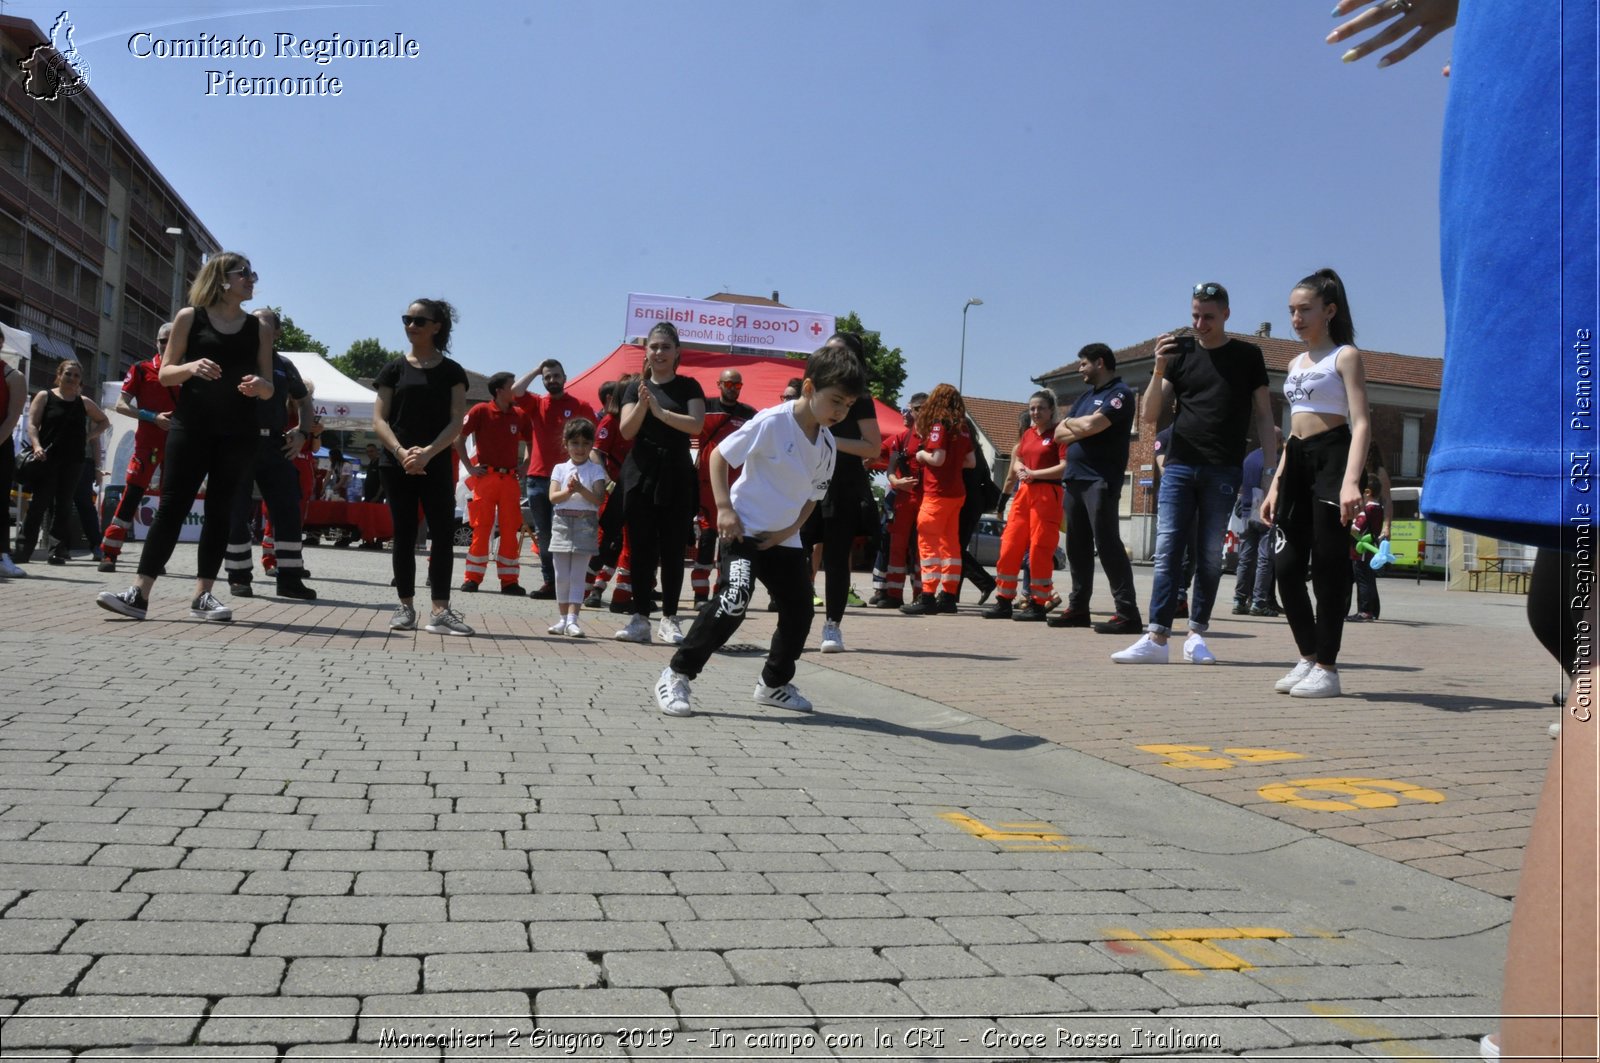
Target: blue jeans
1194, 500
1253, 585
539, 508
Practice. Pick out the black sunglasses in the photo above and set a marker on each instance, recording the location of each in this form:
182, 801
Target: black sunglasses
409, 321
244, 271
1206, 291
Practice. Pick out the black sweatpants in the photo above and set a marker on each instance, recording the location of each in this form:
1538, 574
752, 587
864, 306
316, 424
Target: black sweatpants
53, 493
1093, 520
8, 473
435, 492
221, 462
279, 481
838, 537
658, 535
1558, 592
786, 573
1309, 531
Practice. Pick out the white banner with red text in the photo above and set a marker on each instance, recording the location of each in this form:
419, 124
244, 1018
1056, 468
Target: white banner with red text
702, 322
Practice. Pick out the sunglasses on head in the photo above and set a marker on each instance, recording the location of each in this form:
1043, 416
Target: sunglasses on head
414, 322
1206, 291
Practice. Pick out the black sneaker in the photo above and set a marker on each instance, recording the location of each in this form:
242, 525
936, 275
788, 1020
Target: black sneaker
1031, 613
56, 559
1120, 625
923, 606
240, 590
1241, 607
206, 607
513, 589
129, 603
546, 591
107, 564
1000, 610
290, 585
946, 603
886, 602
469, 586
1262, 610
594, 599
1071, 618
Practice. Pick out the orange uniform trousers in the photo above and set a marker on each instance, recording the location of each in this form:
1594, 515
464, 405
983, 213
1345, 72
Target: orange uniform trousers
939, 543
495, 495
1033, 528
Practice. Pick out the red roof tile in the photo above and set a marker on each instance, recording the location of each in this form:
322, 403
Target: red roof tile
998, 419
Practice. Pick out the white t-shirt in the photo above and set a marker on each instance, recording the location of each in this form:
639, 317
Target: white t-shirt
783, 470
591, 474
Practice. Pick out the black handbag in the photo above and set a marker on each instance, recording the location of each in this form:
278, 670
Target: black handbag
29, 466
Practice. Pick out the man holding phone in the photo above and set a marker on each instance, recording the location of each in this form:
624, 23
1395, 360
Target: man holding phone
1220, 384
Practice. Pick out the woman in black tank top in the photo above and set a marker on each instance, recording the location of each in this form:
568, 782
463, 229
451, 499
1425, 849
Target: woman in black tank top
58, 428
221, 360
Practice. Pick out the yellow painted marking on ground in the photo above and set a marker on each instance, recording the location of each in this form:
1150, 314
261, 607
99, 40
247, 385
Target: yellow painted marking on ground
1364, 1027
1362, 793
1182, 756
1017, 837
1187, 950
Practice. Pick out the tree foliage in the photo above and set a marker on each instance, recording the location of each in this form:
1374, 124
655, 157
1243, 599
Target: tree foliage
363, 360
886, 366
295, 338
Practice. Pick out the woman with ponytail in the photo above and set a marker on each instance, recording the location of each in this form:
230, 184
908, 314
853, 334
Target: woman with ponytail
1316, 492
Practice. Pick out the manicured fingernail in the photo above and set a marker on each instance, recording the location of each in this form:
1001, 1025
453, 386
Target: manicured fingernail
1336, 11
1348, 57
1385, 61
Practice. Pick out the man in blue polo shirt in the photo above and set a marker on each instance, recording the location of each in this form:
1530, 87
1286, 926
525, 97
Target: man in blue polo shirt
1096, 435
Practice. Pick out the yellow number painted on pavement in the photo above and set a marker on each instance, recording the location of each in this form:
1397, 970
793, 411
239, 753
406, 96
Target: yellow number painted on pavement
1189, 756
1029, 837
1360, 793
1193, 951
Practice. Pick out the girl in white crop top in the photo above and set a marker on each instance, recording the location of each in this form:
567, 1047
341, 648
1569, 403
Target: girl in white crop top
1316, 491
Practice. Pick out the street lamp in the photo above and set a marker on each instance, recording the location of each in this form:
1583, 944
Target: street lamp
961, 377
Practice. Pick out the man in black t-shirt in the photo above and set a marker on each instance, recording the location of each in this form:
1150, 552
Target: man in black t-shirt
1220, 385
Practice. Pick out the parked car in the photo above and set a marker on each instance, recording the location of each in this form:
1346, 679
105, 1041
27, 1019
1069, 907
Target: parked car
985, 542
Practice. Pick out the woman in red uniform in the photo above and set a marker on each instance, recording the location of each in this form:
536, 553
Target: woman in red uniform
1035, 521
946, 450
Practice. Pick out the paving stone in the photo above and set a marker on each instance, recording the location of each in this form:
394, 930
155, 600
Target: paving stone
598, 936
104, 1020
298, 883
427, 939
400, 883
665, 970
28, 876
794, 966
222, 975
472, 971
421, 1014
160, 936
739, 1007
648, 907
990, 996
721, 934
936, 961
529, 908
457, 883
367, 910
40, 975
234, 860
1217, 987
883, 932
276, 1020
215, 906
185, 881
746, 906
19, 935
212, 1051
359, 976
856, 998
359, 860
448, 860
316, 939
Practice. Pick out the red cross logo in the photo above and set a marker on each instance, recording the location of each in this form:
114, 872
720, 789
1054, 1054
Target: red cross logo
342, 411
816, 329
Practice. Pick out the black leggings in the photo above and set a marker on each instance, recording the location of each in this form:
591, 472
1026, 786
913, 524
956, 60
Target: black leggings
8, 473
658, 535
435, 492
53, 493
1557, 596
1309, 531
192, 457
838, 538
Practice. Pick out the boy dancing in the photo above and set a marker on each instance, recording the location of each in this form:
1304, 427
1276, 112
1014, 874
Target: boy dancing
787, 453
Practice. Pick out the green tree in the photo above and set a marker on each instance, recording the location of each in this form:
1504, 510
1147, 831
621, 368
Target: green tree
363, 359
886, 366
295, 338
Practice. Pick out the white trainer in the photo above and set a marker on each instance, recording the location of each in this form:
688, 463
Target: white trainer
1297, 673
557, 628
784, 697
1195, 650
573, 631
1318, 683
672, 693
1146, 651
668, 631
10, 568
638, 630
447, 622
832, 640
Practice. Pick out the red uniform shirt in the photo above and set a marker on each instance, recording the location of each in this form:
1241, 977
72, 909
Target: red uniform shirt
906, 443
612, 447
944, 481
143, 385
1036, 452
496, 434
550, 415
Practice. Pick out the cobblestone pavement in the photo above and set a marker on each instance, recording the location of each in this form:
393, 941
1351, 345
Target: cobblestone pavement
300, 836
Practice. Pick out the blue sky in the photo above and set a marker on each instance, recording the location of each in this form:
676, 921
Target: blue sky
1078, 166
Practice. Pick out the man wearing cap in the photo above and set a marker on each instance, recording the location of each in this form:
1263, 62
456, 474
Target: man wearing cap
1220, 386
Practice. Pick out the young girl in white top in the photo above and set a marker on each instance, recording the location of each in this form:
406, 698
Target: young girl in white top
1316, 492
577, 487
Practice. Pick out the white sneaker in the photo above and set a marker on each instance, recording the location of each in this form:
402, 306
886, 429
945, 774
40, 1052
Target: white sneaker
447, 622
638, 630
1297, 673
1318, 683
206, 607
832, 641
672, 693
404, 619
1146, 651
1555, 729
573, 631
10, 568
1195, 650
557, 628
668, 631
784, 697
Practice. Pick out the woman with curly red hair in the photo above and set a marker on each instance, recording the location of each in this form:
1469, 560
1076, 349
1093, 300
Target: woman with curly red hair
947, 448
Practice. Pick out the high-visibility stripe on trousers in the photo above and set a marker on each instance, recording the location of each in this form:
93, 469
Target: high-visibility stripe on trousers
1032, 528
496, 497
939, 539
901, 558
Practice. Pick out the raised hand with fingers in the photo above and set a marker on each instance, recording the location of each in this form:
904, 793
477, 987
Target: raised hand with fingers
1393, 19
